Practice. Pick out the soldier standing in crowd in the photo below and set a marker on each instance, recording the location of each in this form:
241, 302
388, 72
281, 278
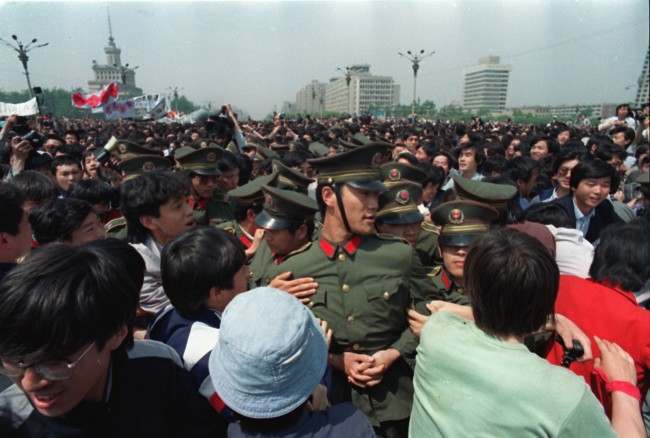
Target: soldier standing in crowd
200, 165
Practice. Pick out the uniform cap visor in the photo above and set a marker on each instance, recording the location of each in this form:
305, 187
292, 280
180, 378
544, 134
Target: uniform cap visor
400, 218
457, 239
370, 185
265, 220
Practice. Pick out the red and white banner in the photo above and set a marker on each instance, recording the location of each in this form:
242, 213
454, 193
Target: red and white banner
105, 95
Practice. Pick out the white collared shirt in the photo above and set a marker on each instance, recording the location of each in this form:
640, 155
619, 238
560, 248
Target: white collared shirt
582, 220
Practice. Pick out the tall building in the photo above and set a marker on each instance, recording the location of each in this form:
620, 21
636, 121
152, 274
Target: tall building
365, 91
113, 70
642, 92
310, 99
486, 84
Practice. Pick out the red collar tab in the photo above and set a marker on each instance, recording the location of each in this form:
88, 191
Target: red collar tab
245, 241
194, 204
327, 248
445, 278
277, 259
352, 245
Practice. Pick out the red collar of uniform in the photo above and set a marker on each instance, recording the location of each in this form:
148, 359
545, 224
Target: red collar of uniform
277, 258
445, 278
194, 204
350, 247
245, 240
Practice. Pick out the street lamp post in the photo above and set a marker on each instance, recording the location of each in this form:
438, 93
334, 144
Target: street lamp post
22, 51
348, 79
415, 60
174, 90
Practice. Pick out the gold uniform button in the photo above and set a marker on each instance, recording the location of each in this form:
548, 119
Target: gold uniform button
310, 304
356, 347
350, 318
386, 295
341, 257
345, 288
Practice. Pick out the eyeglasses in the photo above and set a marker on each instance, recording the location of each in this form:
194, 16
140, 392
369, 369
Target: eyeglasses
564, 171
53, 370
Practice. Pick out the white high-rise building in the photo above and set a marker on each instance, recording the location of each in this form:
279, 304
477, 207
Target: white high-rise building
486, 84
365, 91
310, 99
642, 92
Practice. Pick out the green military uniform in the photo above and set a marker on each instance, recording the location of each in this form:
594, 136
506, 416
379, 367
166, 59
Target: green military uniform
495, 195
394, 173
202, 162
128, 149
461, 223
366, 285
131, 168
282, 209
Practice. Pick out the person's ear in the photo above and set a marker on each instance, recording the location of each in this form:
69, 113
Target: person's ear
329, 196
149, 222
301, 232
116, 340
250, 214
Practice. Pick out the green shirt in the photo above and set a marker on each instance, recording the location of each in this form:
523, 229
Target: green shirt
446, 288
470, 384
264, 263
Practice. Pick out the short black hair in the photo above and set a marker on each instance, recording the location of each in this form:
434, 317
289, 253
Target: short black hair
548, 213
62, 298
512, 281
607, 151
450, 158
227, 162
629, 133
64, 160
479, 156
621, 257
143, 196
496, 164
57, 219
553, 147
521, 168
241, 210
195, 262
35, 186
566, 154
435, 175
592, 169
94, 191
293, 227
12, 201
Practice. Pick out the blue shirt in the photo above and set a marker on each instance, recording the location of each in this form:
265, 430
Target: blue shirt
582, 220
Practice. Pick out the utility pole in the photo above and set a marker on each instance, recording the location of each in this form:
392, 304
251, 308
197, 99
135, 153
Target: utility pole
22, 51
348, 79
415, 65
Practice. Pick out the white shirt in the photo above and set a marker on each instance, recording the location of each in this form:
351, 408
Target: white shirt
152, 295
582, 220
573, 253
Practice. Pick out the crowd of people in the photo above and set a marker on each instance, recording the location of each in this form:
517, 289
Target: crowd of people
324, 277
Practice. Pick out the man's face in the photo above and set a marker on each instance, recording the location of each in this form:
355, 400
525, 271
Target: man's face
622, 112
412, 143
563, 137
442, 162
592, 191
66, 175
91, 229
360, 209
282, 242
467, 161
71, 139
204, 185
54, 398
51, 145
16, 246
175, 218
228, 180
617, 164
563, 175
620, 140
194, 136
91, 165
453, 259
408, 232
539, 150
421, 155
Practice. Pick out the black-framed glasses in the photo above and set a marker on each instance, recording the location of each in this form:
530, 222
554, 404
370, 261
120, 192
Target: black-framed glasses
51, 370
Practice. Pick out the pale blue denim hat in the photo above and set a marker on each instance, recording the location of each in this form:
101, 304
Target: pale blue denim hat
270, 356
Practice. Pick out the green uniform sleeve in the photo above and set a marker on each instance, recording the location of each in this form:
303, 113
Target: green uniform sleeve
587, 419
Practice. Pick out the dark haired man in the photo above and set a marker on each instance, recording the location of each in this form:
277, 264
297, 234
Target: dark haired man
156, 210
623, 117
66, 342
523, 171
66, 220
35, 187
470, 158
66, 171
15, 230
200, 166
202, 271
591, 183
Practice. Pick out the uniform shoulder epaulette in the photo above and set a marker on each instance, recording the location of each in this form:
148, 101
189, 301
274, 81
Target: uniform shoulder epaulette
428, 226
115, 224
435, 271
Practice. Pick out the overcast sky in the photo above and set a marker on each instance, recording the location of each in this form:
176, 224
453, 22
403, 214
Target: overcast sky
257, 55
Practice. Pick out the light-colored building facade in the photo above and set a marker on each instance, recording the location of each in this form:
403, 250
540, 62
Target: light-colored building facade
569, 112
486, 84
310, 99
365, 91
113, 70
643, 90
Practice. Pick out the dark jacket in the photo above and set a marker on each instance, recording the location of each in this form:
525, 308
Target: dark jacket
604, 216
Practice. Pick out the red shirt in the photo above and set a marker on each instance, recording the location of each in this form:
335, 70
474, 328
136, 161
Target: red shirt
612, 315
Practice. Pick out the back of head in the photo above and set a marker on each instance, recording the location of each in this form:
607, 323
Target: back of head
62, 298
195, 262
621, 257
12, 201
93, 191
57, 219
548, 213
512, 281
35, 186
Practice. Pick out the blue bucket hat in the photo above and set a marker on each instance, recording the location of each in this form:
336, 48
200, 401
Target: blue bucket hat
270, 356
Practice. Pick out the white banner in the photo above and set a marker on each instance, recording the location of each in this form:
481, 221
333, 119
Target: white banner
119, 109
28, 108
150, 106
